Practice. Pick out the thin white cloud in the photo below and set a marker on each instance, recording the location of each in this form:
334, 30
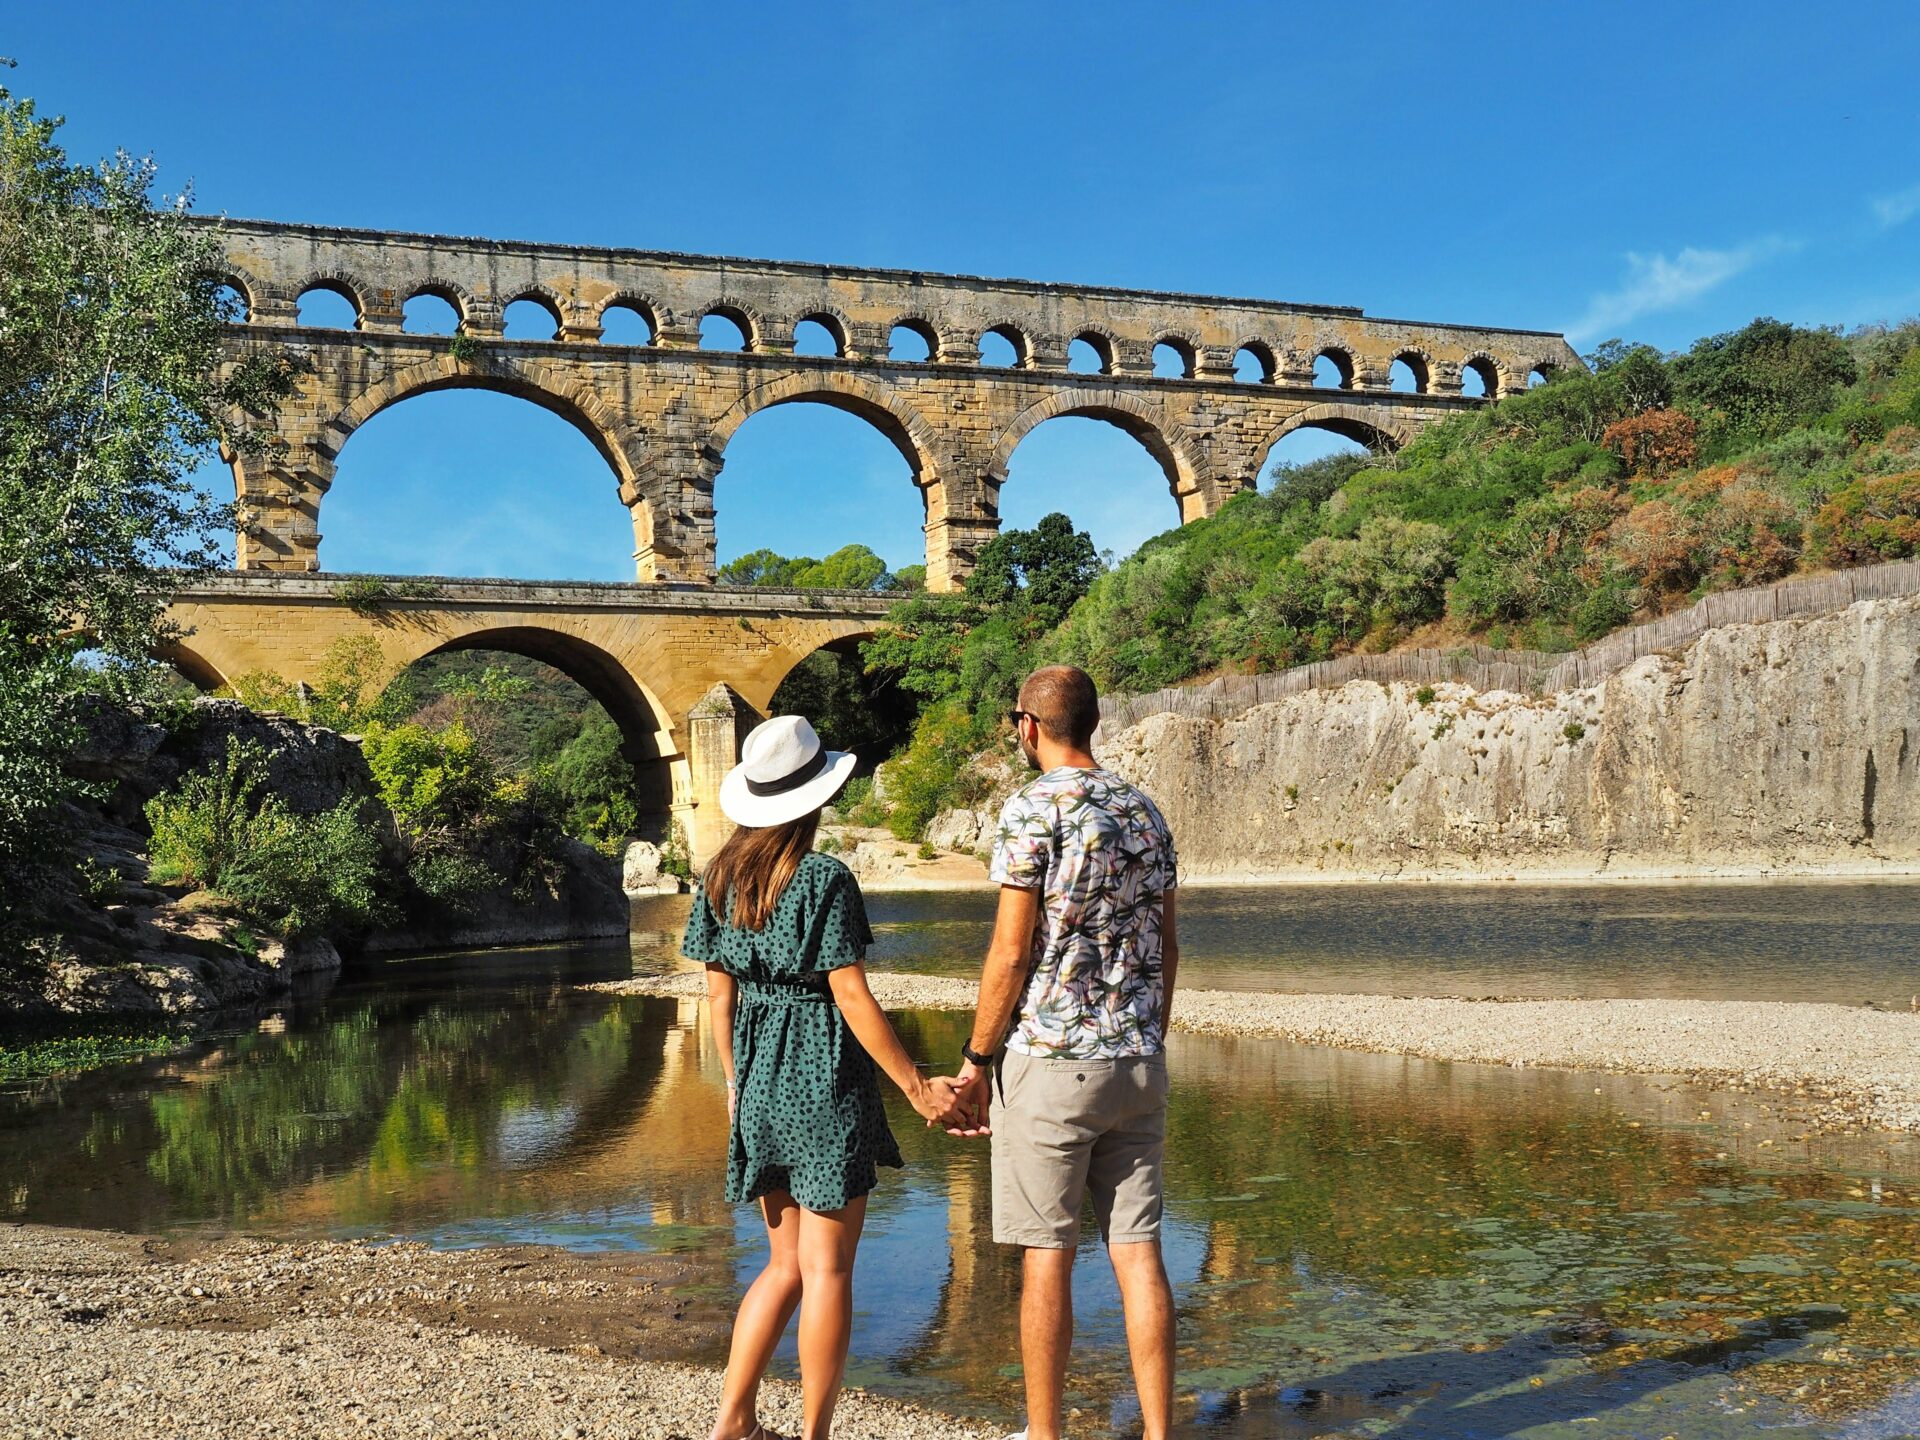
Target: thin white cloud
1657, 282
1897, 208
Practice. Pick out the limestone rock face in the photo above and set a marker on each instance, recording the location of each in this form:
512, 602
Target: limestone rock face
640, 870
960, 830
1789, 745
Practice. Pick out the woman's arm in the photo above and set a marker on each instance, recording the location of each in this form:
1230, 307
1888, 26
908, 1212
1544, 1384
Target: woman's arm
934, 1099
722, 995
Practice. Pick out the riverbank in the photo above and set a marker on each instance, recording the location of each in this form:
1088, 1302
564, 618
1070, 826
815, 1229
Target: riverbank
110, 1335
1850, 1068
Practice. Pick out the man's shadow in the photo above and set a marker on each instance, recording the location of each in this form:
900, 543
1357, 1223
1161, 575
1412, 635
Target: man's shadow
1445, 1387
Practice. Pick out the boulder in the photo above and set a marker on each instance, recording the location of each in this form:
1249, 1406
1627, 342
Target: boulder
640, 872
960, 830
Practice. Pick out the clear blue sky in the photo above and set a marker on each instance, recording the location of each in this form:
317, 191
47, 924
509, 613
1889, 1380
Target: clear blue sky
1652, 171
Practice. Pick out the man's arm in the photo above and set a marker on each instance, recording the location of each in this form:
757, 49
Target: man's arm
1002, 979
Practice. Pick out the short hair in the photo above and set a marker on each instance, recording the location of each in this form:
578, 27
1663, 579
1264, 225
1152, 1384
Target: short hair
1062, 698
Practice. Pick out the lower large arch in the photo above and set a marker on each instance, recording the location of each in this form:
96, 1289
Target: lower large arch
1358, 423
646, 730
1158, 435
195, 668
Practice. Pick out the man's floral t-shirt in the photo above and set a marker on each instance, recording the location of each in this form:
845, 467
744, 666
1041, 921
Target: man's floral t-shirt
1101, 856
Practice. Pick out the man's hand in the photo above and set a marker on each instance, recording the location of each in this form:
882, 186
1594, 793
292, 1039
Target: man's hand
937, 1101
973, 1089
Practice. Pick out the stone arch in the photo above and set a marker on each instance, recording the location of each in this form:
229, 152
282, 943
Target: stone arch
1183, 343
919, 325
835, 322
646, 727
1419, 360
1364, 424
647, 308
1343, 360
249, 289
773, 673
348, 287
1263, 356
1169, 446
1018, 338
573, 400
547, 298
752, 323
1105, 348
464, 304
905, 427
192, 664
1487, 368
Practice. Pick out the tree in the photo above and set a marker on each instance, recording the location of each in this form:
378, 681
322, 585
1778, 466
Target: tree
111, 393
1050, 566
1762, 380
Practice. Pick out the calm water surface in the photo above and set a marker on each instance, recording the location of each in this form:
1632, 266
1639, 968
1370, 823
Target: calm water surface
1361, 1245
1842, 942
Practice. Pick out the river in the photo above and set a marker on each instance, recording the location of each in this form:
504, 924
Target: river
1360, 1244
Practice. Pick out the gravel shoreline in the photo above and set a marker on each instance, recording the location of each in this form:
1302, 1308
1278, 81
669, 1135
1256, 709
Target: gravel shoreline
117, 1336
1858, 1068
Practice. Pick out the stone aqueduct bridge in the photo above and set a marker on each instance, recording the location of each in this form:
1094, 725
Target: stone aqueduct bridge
679, 663
683, 670
661, 414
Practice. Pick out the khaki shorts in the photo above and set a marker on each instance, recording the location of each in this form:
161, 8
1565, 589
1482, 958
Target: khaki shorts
1065, 1128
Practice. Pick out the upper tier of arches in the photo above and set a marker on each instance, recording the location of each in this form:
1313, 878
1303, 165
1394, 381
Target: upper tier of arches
879, 317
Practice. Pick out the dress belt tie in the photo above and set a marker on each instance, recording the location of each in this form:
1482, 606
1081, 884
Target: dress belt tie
785, 995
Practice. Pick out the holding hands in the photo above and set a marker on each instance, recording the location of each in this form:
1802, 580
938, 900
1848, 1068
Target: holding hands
956, 1103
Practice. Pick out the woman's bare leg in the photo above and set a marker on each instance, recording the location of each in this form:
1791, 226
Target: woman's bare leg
764, 1312
827, 1242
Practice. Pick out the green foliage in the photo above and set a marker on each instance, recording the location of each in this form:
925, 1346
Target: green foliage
219, 830
1870, 520
1760, 381
1424, 696
676, 856
1048, 567
371, 595
28, 1058
926, 850
851, 567
1574, 730
935, 772
110, 397
440, 784
592, 785
851, 710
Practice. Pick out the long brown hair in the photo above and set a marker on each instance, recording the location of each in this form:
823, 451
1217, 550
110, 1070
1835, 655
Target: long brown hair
754, 866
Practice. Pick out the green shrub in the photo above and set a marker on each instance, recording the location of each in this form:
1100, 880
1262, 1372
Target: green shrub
676, 856
438, 783
1574, 730
935, 772
926, 850
451, 879
1424, 695
1870, 520
295, 874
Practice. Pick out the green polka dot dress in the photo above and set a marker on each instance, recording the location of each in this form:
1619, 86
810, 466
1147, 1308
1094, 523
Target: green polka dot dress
807, 1113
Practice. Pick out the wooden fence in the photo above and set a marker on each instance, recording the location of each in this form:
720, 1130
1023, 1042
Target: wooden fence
1524, 671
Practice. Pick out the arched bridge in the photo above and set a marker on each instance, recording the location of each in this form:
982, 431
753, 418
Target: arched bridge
683, 670
662, 413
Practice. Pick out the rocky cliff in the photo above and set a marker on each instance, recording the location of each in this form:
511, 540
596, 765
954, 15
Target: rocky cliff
1776, 747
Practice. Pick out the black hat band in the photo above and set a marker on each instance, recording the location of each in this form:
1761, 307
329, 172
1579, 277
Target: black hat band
789, 782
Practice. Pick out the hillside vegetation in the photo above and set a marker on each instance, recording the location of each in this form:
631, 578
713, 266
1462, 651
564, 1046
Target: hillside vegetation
1545, 520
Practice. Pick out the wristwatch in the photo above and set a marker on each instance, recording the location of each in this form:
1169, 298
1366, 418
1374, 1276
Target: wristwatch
973, 1057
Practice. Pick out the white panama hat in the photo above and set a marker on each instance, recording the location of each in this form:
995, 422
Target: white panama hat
784, 772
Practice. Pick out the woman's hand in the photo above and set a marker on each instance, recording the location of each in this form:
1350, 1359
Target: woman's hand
937, 1100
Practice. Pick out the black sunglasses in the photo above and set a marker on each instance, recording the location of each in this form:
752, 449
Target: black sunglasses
1014, 717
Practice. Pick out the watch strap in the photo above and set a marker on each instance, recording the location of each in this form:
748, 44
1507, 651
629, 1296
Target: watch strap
972, 1056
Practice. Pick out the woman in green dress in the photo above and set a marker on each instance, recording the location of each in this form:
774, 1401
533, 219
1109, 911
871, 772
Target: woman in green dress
782, 931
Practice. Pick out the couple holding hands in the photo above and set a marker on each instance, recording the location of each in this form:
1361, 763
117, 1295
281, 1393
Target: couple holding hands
1065, 1068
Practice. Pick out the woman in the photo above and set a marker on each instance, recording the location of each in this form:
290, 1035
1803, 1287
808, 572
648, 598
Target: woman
782, 931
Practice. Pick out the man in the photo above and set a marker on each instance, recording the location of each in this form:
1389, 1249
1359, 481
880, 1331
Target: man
1077, 989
